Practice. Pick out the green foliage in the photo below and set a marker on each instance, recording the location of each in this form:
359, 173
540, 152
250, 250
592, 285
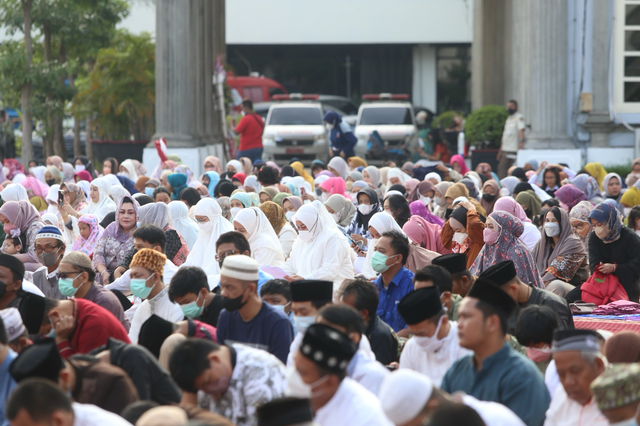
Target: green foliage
444, 120
121, 88
484, 126
623, 169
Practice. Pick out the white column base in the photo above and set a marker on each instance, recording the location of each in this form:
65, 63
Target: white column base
192, 157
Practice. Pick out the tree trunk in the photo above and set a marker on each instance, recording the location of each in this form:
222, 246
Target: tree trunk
25, 96
58, 133
77, 144
88, 136
47, 138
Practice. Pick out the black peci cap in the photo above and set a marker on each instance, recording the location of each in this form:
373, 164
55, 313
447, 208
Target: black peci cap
420, 305
310, 290
327, 347
454, 262
500, 273
488, 292
285, 412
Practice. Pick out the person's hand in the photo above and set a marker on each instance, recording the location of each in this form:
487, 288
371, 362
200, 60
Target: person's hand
467, 205
607, 268
105, 276
64, 326
358, 238
521, 145
442, 168
543, 165
499, 155
292, 278
308, 196
119, 271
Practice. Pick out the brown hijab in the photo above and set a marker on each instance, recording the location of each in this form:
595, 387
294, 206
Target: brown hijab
275, 214
488, 205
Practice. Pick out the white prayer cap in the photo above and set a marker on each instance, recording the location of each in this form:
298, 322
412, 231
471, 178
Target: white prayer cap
12, 323
240, 267
403, 394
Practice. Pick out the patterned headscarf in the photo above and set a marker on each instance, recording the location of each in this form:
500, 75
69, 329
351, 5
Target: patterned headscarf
150, 259
88, 245
609, 215
581, 211
570, 195
275, 214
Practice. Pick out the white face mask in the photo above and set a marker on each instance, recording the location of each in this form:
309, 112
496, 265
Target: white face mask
430, 344
324, 197
335, 217
601, 231
289, 215
280, 308
80, 167
234, 211
440, 201
627, 211
425, 200
125, 174
365, 209
638, 232
302, 323
329, 127
551, 229
460, 237
305, 236
205, 226
504, 192
295, 386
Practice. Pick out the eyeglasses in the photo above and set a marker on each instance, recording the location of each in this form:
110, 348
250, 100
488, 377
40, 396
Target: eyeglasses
64, 275
220, 257
579, 227
46, 249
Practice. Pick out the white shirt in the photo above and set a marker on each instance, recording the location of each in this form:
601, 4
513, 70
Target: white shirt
352, 405
433, 364
287, 236
551, 378
565, 411
90, 415
530, 235
367, 372
364, 348
161, 306
30, 287
493, 413
510, 136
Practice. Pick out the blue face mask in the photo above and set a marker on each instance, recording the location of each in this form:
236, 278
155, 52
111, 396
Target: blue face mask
379, 262
139, 287
302, 323
149, 191
65, 285
192, 310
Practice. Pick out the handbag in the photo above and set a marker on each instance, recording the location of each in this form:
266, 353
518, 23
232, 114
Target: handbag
602, 289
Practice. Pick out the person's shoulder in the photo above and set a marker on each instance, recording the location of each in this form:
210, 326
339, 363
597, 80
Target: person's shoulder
272, 313
516, 365
91, 414
254, 358
459, 365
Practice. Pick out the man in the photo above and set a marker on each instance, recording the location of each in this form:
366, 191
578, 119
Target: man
147, 283
87, 381
461, 278
234, 244
49, 247
307, 297
285, 412
7, 356
495, 372
504, 275
362, 296
17, 333
245, 318
534, 330
322, 361
512, 139
434, 346
434, 275
250, 130
79, 326
277, 293
11, 274
395, 281
363, 368
189, 288
617, 393
151, 380
233, 380
38, 402
409, 398
579, 361
76, 279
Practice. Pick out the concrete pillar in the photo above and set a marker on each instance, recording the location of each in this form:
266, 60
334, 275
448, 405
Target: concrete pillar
425, 79
189, 36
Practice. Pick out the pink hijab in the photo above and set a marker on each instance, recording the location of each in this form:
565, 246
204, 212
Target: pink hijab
460, 160
426, 234
335, 185
36, 187
87, 246
21, 214
419, 209
411, 184
511, 206
296, 202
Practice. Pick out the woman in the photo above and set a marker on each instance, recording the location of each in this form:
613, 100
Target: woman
89, 235
210, 180
321, 251
589, 186
633, 220
424, 192
116, 241
20, 219
531, 233
551, 178
341, 137
212, 164
247, 166
177, 182
490, 195
356, 162
417, 208
630, 199
225, 207
395, 176
338, 167
596, 171
211, 225
285, 232
238, 180
267, 194
613, 250
612, 188
425, 234
560, 256
579, 217
569, 195
128, 170
341, 210
110, 166
68, 172
530, 203
53, 176
14, 192
299, 168
368, 205
99, 202
411, 184
265, 245
371, 175
463, 232
333, 186
157, 214
458, 164
82, 163
458, 190
239, 201
508, 185
34, 188
290, 206
234, 166
439, 201
179, 220
251, 184
74, 197
501, 238
397, 206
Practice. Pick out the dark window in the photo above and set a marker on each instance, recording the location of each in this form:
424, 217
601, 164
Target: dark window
275, 91
632, 92
253, 93
295, 116
632, 66
382, 115
347, 107
632, 14
631, 40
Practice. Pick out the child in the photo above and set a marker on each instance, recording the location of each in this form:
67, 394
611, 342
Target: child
90, 233
12, 245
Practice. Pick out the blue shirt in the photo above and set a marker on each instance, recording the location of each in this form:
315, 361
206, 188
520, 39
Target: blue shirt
508, 378
400, 285
6, 383
270, 330
263, 277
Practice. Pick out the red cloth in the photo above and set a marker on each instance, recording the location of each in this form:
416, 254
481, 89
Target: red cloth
250, 129
601, 289
613, 326
94, 326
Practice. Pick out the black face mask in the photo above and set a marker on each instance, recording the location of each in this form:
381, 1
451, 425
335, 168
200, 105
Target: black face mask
233, 304
51, 182
488, 197
3, 289
511, 111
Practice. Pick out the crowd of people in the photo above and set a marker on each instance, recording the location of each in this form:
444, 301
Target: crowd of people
340, 294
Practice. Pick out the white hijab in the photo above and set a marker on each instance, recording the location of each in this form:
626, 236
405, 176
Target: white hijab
15, 192
131, 170
340, 166
204, 250
52, 202
397, 173
179, 220
105, 205
265, 245
252, 182
38, 172
237, 166
382, 222
118, 193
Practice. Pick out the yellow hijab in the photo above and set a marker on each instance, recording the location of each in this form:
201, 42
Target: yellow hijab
631, 197
596, 171
299, 168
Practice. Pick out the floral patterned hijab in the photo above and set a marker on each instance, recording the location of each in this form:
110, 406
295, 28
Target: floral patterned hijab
87, 246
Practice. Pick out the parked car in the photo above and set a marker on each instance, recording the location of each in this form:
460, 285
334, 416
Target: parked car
255, 87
